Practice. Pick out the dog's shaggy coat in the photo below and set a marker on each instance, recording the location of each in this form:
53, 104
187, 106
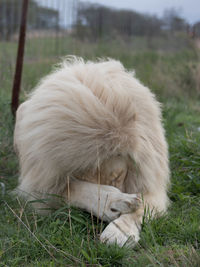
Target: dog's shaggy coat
91, 123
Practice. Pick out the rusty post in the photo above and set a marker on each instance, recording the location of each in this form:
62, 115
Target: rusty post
20, 57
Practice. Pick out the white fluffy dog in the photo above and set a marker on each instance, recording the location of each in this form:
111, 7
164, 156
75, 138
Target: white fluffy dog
91, 133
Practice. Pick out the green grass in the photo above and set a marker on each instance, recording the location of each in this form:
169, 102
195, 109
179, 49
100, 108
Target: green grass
70, 237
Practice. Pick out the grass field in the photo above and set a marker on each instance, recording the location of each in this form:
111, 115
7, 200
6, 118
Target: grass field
69, 237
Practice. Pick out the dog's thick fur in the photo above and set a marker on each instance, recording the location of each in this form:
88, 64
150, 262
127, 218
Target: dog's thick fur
91, 123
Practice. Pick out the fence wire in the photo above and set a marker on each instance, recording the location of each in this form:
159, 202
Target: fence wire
57, 28
49, 24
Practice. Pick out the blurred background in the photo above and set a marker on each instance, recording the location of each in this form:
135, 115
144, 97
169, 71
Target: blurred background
159, 39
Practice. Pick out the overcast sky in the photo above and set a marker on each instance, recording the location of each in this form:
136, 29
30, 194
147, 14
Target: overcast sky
189, 9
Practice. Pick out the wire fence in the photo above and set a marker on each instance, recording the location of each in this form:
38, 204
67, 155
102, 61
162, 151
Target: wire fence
45, 17
49, 25
61, 27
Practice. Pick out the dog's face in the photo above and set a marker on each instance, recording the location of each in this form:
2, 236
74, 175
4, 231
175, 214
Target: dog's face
112, 172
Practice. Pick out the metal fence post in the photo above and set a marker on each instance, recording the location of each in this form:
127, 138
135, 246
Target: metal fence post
19, 61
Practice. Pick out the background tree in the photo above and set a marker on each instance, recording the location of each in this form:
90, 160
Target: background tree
173, 21
38, 17
95, 21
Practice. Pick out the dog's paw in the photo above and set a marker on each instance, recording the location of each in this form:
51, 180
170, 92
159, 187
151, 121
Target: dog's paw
119, 204
120, 233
